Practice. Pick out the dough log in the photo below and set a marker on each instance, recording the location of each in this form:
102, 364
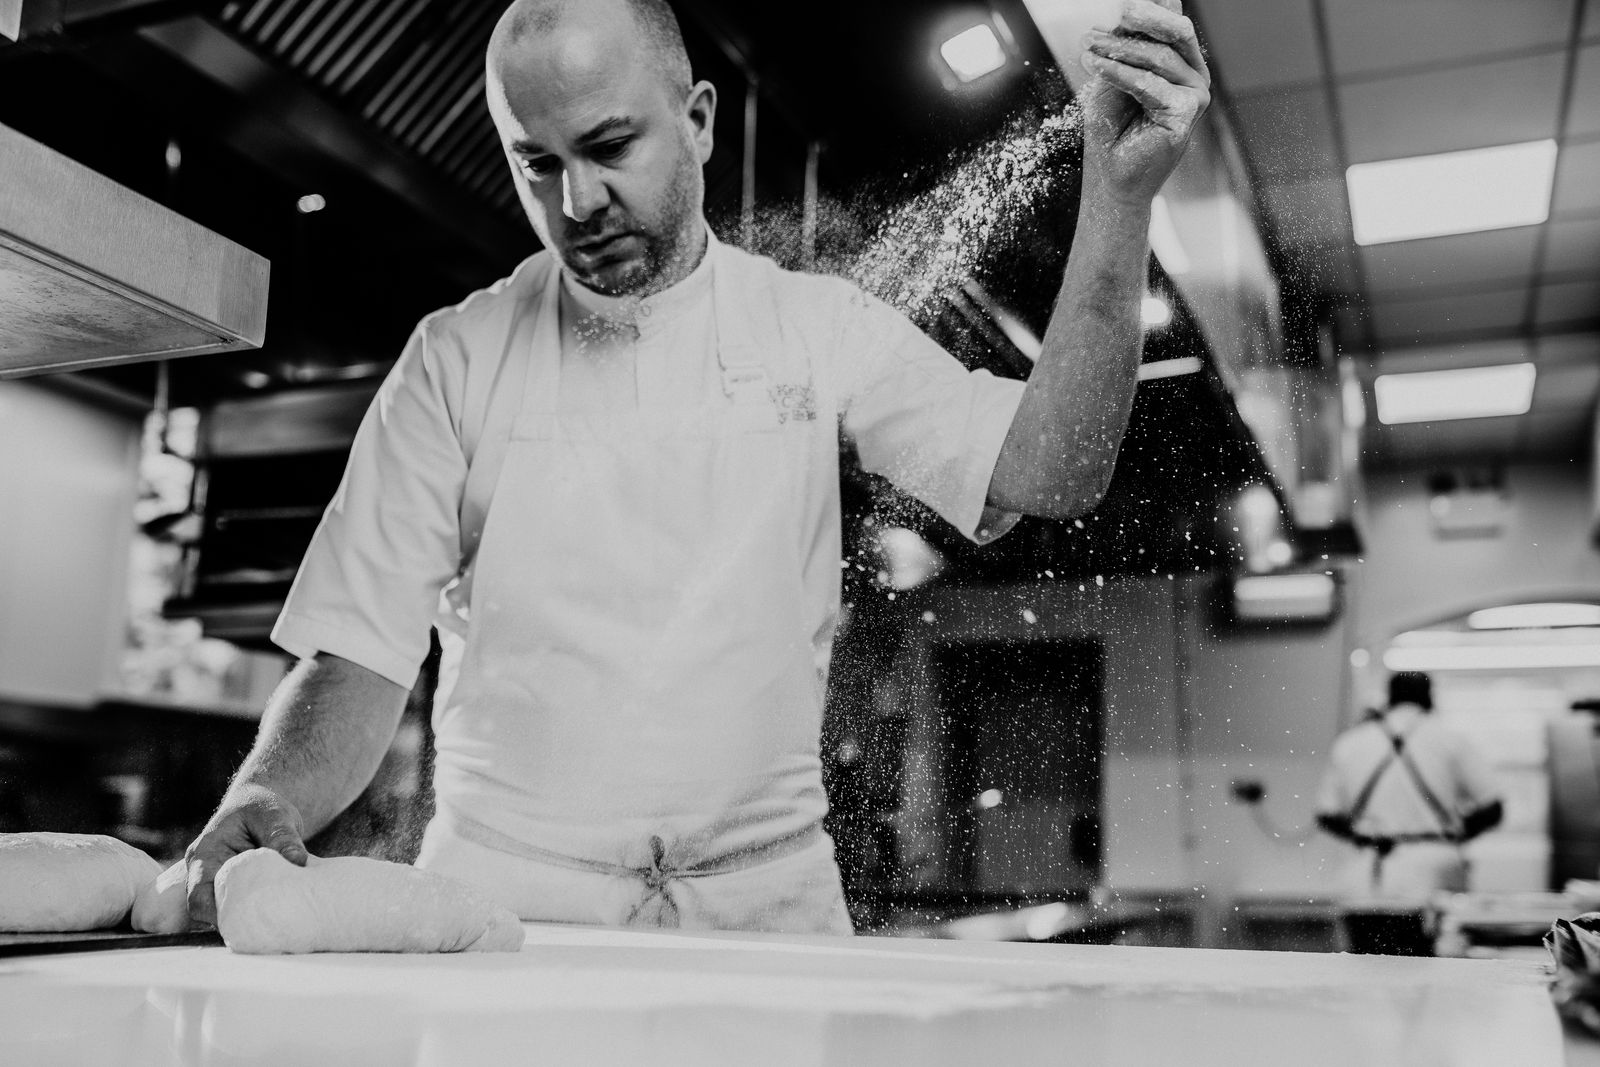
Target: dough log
265, 904
55, 883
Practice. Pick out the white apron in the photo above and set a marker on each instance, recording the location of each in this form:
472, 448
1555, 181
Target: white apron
633, 735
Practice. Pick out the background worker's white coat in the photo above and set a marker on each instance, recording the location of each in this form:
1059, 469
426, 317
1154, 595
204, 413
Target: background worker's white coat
1453, 769
637, 639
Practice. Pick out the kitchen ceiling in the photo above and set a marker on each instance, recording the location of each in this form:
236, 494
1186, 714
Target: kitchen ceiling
1314, 86
333, 95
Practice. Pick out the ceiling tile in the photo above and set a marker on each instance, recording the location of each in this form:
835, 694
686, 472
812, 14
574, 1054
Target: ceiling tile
1288, 133
1584, 116
1565, 432
1577, 189
1568, 302
1450, 356
1436, 442
1553, 348
1399, 322
1445, 110
1254, 43
1460, 259
1572, 247
1311, 212
1365, 36
1562, 434
1563, 385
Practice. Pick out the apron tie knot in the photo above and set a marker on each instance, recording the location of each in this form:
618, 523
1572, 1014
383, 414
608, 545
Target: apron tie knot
659, 873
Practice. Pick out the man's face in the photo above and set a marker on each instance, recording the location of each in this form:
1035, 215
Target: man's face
606, 156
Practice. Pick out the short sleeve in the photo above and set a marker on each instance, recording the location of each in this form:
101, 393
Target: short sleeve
369, 585
921, 419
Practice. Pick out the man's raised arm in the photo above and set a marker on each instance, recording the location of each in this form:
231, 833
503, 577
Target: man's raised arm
322, 737
1150, 86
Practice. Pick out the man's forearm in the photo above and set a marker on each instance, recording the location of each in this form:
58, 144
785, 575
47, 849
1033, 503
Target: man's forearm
322, 737
1062, 446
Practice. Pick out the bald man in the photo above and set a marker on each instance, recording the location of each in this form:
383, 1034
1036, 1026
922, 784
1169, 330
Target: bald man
610, 482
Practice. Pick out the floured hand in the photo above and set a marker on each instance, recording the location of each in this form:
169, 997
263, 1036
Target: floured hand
265, 904
54, 883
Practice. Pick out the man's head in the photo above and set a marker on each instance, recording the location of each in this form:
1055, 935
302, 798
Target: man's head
606, 136
1411, 687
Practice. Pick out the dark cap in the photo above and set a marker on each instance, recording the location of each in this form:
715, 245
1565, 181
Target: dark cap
1411, 687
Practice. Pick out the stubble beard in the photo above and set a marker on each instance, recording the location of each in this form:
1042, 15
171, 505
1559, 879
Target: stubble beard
670, 252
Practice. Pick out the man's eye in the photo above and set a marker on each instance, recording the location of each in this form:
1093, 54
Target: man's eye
612, 149
538, 168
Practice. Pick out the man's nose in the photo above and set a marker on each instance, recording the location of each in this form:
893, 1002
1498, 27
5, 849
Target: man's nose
583, 193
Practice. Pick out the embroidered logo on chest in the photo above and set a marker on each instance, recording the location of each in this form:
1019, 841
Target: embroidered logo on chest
795, 401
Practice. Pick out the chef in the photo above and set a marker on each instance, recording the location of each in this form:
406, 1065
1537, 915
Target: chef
1409, 791
610, 481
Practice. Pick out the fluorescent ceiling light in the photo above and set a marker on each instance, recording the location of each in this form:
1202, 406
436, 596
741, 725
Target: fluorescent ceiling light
1566, 636
1155, 312
1164, 241
1493, 657
1284, 598
1464, 393
1169, 368
1535, 616
973, 52
1453, 192
1277, 588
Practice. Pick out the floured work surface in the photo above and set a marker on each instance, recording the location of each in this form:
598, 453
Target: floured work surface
602, 996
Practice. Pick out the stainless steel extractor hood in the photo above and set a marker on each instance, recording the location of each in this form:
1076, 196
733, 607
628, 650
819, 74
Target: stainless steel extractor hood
93, 274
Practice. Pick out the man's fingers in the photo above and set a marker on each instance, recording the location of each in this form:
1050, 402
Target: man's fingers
1149, 19
202, 874
273, 828
1164, 102
1139, 52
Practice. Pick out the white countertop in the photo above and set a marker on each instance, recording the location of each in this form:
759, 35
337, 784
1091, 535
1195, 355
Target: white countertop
589, 996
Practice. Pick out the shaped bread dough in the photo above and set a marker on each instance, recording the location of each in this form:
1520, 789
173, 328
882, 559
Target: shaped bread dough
265, 904
53, 883
162, 906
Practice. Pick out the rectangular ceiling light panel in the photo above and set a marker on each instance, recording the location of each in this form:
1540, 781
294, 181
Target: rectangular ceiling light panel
974, 52
1464, 393
1452, 192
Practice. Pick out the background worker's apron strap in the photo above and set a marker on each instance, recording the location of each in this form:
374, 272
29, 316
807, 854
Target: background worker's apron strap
1382, 846
1364, 797
1447, 824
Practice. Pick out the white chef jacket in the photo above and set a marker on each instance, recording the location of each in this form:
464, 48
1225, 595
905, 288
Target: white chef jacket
395, 550
1447, 760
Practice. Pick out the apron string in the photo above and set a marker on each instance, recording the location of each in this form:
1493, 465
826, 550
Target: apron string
743, 859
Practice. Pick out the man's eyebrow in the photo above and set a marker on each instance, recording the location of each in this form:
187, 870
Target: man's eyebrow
606, 128
601, 130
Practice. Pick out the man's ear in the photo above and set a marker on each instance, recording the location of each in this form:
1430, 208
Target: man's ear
701, 109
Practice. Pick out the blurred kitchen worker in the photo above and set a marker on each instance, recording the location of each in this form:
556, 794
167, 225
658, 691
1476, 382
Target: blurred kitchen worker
1410, 791
619, 467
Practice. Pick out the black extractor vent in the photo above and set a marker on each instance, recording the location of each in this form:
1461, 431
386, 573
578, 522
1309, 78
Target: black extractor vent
411, 68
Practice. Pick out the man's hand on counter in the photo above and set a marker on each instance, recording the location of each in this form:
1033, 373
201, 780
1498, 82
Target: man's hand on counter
252, 816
